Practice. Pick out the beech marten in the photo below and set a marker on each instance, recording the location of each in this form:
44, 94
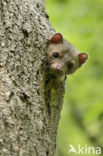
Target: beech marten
62, 57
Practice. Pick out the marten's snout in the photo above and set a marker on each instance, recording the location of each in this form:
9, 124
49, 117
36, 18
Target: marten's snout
58, 70
56, 67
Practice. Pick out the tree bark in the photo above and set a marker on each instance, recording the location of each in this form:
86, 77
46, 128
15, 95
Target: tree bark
29, 111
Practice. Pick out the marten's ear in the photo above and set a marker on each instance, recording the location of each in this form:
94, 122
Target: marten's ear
57, 38
82, 58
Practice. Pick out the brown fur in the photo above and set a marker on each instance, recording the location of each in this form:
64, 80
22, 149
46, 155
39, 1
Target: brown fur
67, 60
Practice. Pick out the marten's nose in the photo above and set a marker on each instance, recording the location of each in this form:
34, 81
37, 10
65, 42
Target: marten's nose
58, 70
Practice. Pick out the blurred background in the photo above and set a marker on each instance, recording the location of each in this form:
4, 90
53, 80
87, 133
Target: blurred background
81, 23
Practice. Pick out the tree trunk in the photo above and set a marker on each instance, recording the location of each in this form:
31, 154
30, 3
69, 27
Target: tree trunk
29, 111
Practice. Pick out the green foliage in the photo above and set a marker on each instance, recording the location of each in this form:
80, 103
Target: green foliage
81, 23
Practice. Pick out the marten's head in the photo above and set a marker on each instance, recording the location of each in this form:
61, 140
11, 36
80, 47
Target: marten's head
62, 57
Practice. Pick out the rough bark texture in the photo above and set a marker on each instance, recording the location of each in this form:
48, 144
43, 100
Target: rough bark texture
29, 111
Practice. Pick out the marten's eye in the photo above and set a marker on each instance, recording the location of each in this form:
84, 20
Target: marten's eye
70, 65
55, 54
